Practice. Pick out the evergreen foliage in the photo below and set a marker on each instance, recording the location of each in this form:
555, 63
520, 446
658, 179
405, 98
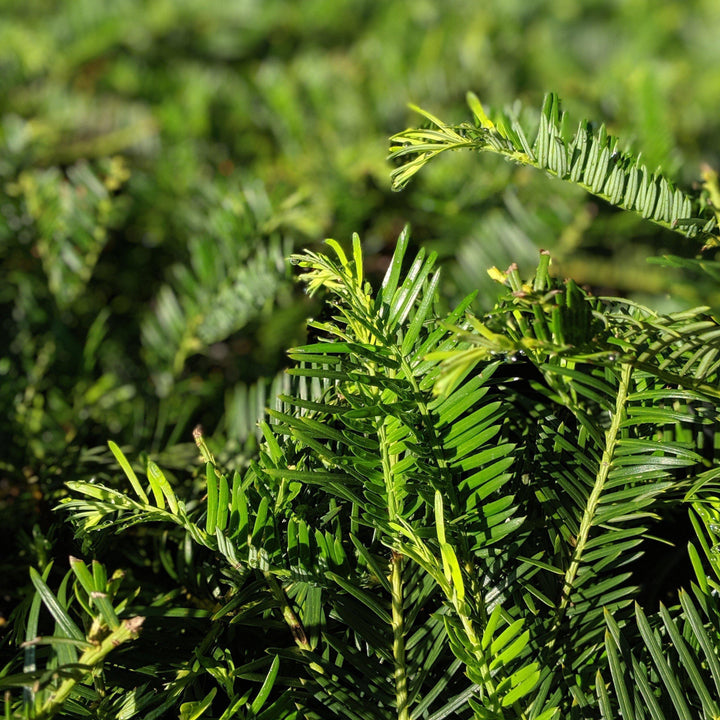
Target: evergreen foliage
589, 159
442, 521
435, 512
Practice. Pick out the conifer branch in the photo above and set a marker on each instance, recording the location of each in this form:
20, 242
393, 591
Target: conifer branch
590, 159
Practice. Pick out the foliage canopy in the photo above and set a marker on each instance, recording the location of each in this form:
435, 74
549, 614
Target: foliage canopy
350, 530
445, 517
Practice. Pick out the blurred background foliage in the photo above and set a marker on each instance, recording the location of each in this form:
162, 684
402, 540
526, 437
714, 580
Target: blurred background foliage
160, 159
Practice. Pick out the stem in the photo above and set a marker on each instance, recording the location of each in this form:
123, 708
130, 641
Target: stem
611, 441
398, 628
127, 630
292, 620
394, 507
